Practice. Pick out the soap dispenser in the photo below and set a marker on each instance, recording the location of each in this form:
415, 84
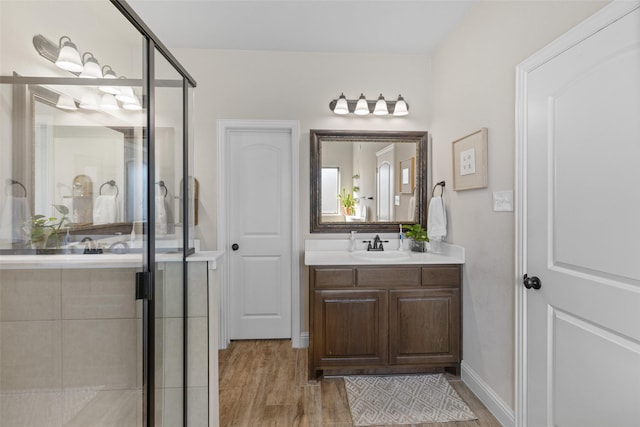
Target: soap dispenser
352, 241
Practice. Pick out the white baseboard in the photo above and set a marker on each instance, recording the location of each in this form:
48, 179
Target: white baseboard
304, 340
494, 403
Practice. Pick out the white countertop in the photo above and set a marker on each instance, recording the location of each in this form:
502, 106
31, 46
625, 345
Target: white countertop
107, 260
335, 252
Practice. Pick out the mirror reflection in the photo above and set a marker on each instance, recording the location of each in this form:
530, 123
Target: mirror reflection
367, 180
78, 177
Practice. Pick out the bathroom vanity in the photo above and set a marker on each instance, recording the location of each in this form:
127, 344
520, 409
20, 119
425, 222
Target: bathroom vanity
389, 312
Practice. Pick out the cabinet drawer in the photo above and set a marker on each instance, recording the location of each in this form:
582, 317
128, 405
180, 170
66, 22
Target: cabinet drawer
333, 277
390, 276
441, 276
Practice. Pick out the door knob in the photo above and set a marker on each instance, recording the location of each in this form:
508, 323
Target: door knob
531, 282
235, 247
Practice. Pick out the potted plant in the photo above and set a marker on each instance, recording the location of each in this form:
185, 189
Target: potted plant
418, 236
40, 228
348, 202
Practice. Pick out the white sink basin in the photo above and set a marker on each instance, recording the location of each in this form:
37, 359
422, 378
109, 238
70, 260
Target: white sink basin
382, 256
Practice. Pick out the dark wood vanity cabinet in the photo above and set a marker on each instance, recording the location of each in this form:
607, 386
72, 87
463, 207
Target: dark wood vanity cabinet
384, 319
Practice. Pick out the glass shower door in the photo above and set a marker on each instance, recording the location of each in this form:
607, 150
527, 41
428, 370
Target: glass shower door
73, 218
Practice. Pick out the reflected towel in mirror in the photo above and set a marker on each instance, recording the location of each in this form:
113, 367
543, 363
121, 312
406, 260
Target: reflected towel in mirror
437, 219
411, 214
105, 209
161, 216
15, 214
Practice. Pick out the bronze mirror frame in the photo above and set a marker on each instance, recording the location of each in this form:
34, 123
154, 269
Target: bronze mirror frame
420, 138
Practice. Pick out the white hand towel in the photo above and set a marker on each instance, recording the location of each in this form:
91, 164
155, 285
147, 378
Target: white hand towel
161, 216
105, 209
15, 215
437, 220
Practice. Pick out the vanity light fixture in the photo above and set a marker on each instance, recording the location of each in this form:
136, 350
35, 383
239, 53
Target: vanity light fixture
108, 73
342, 107
401, 107
66, 102
91, 67
363, 106
68, 57
381, 107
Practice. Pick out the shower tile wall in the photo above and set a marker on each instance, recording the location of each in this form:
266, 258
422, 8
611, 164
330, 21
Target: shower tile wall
169, 344
70, 351
71, 345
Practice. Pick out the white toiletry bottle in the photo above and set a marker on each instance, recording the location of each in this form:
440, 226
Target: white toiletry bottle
352, 241
400, 245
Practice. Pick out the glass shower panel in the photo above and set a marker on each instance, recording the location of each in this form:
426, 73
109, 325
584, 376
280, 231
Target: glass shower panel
72, 216
170, 380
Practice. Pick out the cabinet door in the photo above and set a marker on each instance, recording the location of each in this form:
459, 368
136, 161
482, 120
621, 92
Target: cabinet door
424, 327
349, 328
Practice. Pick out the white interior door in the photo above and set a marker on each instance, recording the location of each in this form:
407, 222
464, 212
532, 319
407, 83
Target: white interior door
259, 222
582, 212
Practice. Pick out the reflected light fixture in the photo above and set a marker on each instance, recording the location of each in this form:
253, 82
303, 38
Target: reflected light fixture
108, 73
68, 57
66, 102
381, 108
363, 106
91, 67
89, 102
108, 102
132, 106
126, 95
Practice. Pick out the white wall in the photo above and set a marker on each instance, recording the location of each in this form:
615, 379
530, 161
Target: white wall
474, 87
293, 86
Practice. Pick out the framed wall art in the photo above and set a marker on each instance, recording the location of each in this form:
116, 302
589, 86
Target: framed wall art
470, 161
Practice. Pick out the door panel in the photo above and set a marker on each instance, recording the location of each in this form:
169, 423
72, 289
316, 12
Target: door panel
350, 327
260, 223
423, 326
582, 207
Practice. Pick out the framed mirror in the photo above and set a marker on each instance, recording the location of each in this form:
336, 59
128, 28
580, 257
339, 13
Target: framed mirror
368, 180
67, 162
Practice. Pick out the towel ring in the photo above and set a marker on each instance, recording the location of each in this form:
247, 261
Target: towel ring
12, 182
110, 183
441, 184
162, 185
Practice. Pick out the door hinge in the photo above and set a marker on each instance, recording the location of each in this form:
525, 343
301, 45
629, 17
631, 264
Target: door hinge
143, 285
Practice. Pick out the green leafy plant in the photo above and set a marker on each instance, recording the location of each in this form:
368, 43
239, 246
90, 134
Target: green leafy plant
40, 227
416, 233
65, 219
348, 202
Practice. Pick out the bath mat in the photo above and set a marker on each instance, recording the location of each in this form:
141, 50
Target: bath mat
406, 399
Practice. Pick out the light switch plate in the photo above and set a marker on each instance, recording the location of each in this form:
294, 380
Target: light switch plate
397, 200
503, 201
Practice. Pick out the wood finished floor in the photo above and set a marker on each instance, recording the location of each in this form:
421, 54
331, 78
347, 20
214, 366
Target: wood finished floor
264, 383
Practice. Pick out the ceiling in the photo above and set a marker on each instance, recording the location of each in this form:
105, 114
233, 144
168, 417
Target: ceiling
349, 26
